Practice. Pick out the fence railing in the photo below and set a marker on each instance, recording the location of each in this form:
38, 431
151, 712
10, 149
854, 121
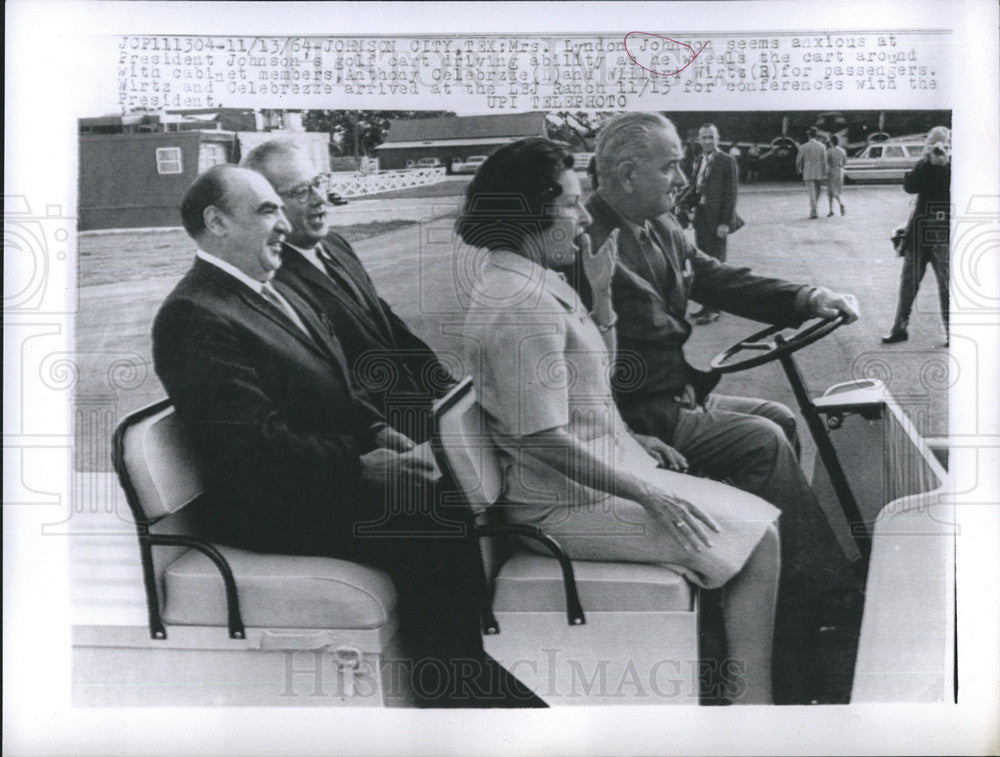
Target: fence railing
355, 185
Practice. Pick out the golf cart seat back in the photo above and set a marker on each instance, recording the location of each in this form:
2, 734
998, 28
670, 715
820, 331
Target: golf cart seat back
640, 619
522, 580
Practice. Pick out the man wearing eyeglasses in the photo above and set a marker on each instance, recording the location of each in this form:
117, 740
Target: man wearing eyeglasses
397, 370
393, 370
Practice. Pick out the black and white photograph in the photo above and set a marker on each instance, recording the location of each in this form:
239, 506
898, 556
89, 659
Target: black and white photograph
643, 379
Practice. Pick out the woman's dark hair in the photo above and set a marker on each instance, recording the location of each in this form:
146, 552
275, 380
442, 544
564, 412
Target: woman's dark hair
512, 193
833, 140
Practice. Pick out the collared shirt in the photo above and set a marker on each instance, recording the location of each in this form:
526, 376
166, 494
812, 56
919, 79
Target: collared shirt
256, 286
310, 254
231, 270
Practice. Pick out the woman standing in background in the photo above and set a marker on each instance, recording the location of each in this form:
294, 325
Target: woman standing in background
835, 160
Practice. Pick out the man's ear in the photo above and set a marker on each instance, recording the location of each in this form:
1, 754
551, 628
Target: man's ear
625, 174
216, 222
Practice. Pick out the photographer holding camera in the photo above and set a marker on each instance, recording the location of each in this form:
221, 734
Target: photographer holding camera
926, 239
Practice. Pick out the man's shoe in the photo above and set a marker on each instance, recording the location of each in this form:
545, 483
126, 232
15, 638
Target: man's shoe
843, 210
830, 214
895, 336
704, 320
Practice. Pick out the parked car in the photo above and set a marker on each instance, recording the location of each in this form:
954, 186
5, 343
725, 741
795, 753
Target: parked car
469, 165
883, 161
427, 163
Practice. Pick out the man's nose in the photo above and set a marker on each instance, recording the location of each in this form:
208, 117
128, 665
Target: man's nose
585, 218
282, 223
679, 179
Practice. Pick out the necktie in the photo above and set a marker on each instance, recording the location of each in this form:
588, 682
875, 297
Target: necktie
700, 181
336, 272
653, 255
270, 294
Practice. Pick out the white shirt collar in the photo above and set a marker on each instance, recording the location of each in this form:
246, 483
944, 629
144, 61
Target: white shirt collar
310, 254
232, 270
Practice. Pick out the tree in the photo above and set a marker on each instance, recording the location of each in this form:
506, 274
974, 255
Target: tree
578, 130
360, 131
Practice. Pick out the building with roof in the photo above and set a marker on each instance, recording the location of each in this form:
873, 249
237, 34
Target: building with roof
134, 169
454, 138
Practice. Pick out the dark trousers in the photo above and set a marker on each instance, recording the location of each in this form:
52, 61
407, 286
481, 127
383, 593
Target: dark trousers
914, 266
705, 237
753, 445
431, 553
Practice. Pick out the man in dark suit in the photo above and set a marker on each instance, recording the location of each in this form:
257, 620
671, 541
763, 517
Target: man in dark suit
400, 374
716, 184
749, 442
293, 455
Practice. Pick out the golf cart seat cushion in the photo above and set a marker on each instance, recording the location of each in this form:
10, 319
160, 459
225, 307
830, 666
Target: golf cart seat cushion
278, 591
533, 583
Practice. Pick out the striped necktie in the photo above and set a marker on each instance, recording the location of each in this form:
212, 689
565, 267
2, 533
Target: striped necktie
336, 272
269, 293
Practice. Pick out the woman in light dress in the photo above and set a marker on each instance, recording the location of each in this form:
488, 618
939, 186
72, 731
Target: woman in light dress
835, 160
541, 365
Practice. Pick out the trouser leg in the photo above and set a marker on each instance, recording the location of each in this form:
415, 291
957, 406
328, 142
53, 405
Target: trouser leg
914, 265
773, 411
940, 263
753, 453
432, 557
812, 187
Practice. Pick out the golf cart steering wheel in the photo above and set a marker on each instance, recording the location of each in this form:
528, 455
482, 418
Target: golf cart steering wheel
773, 349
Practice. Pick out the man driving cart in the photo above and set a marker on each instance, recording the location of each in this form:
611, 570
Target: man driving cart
749, 443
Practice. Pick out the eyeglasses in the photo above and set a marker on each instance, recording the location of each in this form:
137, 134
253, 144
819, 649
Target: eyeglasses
302, 191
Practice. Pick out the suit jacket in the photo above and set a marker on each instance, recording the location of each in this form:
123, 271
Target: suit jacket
651, 299
811, 161
718, 193
276, 431
396, 369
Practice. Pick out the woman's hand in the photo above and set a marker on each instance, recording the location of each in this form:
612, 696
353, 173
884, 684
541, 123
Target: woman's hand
691, 526
663, 453
599, 266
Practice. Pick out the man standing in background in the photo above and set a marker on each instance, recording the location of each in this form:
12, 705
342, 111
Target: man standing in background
811, 164
716, 185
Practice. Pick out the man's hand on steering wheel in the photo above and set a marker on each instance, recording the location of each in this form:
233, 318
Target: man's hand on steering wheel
826, 304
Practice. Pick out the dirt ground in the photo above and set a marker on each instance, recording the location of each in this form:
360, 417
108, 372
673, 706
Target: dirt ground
423, 272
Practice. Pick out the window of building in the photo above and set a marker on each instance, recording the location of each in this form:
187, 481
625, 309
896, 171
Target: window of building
210, 154
168, 160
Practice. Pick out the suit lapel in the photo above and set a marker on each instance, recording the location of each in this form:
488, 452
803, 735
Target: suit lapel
318, 325
264, 308
339, 249
630, 253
